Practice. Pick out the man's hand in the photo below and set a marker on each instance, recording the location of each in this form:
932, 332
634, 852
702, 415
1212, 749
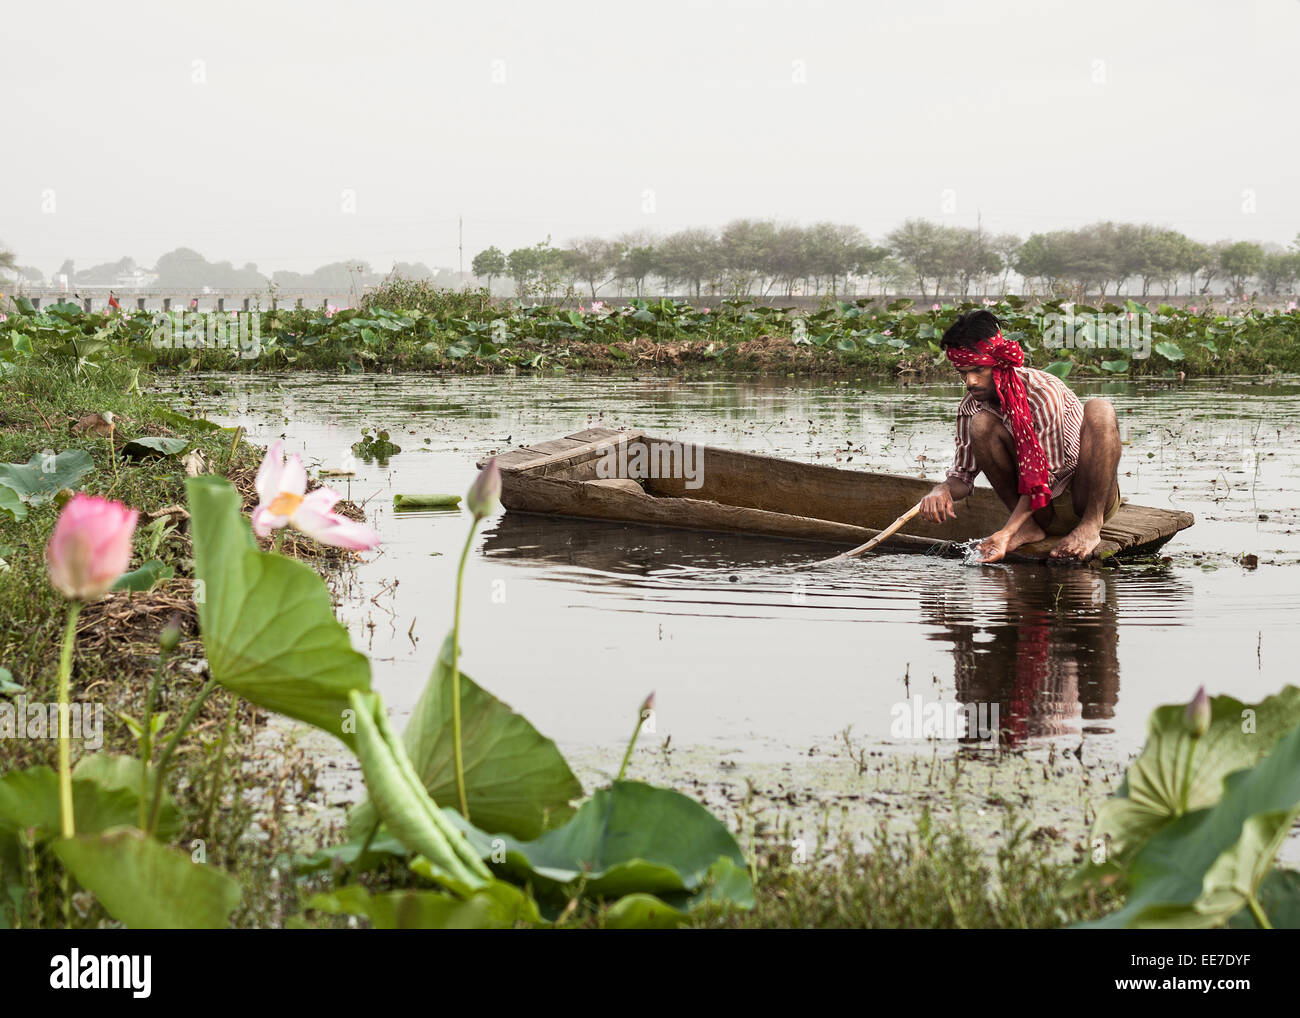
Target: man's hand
937, 506
994, 547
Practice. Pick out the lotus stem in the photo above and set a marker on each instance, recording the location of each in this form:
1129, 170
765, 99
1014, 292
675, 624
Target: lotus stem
160, 784
365, 847
641, 715
1186, 790
457, 754
65, 745
219, 776
1258, 913
146, 736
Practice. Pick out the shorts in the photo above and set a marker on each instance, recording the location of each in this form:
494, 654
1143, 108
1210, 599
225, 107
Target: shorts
1065, 519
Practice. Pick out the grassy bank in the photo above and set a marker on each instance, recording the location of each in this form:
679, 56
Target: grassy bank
230, 793
412, 328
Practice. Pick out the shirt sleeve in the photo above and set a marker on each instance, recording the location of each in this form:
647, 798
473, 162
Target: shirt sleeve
963, 461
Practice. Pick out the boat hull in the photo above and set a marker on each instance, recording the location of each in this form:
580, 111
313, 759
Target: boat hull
631, 477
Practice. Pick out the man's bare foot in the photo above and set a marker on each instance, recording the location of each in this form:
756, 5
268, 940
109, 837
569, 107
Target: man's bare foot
1079, 543
995, 546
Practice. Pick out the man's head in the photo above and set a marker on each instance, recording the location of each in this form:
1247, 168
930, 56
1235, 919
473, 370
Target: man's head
966, 333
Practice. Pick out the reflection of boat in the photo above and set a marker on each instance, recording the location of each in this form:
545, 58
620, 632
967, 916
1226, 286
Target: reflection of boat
629, 549
630, 477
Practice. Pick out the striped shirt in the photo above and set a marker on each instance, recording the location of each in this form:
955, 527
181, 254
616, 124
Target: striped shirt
1058, 418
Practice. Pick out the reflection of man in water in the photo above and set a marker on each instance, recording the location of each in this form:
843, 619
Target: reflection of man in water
1052, 460
1052, 658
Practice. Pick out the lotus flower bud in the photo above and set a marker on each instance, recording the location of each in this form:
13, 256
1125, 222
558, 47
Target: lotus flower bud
485, 493
1196, 718
647, 707
170, 637
90, 547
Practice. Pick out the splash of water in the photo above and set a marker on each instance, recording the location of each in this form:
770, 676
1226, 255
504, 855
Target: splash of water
970, 552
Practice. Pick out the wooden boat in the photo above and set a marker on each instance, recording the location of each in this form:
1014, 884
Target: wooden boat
631, 477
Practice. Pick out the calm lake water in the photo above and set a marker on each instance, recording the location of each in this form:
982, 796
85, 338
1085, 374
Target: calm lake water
573, 622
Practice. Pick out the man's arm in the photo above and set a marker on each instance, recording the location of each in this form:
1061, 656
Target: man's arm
937, 507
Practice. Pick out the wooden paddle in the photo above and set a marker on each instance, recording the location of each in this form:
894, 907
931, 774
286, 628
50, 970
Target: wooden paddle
862, 549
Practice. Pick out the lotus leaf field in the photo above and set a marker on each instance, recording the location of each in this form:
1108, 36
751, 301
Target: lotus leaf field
469, 332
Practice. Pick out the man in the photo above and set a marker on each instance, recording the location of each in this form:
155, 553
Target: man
1052, 460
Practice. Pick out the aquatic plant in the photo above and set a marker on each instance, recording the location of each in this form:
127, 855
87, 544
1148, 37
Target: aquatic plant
419, 327
1193, 832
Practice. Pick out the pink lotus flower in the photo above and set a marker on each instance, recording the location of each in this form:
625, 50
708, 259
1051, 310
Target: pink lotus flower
330, 311
597, 305
283, 501
706, 311
934, 307
1192, 309
1290, 305
90, 547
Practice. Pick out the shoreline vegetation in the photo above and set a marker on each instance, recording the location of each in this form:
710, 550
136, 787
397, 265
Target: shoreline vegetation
247, 790
407, 326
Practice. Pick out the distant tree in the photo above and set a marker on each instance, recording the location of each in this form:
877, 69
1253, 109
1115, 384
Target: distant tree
872, 263
690, 257
6, 258
1160, 256
920, 245
967, 256
593, 261
182, 269
746, 251
1007, 248
489, 264
788, 253
637, 259
66, 269
831, 250
1045, 257
412, 270
1239, 262
536, 270
1279, 271
106, 274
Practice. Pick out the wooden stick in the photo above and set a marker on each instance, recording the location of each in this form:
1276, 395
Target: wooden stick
861, 549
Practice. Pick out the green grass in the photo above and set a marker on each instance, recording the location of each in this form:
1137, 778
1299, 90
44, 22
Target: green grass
928, 878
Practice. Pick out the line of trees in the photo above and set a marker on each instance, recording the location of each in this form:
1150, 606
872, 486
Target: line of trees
763, 257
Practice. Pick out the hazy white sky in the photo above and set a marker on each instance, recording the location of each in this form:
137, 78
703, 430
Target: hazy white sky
241, 128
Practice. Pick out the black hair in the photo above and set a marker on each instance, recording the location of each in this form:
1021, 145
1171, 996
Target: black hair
970, 328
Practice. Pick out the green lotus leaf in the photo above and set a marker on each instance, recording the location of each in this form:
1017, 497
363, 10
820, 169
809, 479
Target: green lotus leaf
147, 885
268, 623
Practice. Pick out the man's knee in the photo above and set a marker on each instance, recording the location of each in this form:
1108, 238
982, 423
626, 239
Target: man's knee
1100, 413
985, 428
